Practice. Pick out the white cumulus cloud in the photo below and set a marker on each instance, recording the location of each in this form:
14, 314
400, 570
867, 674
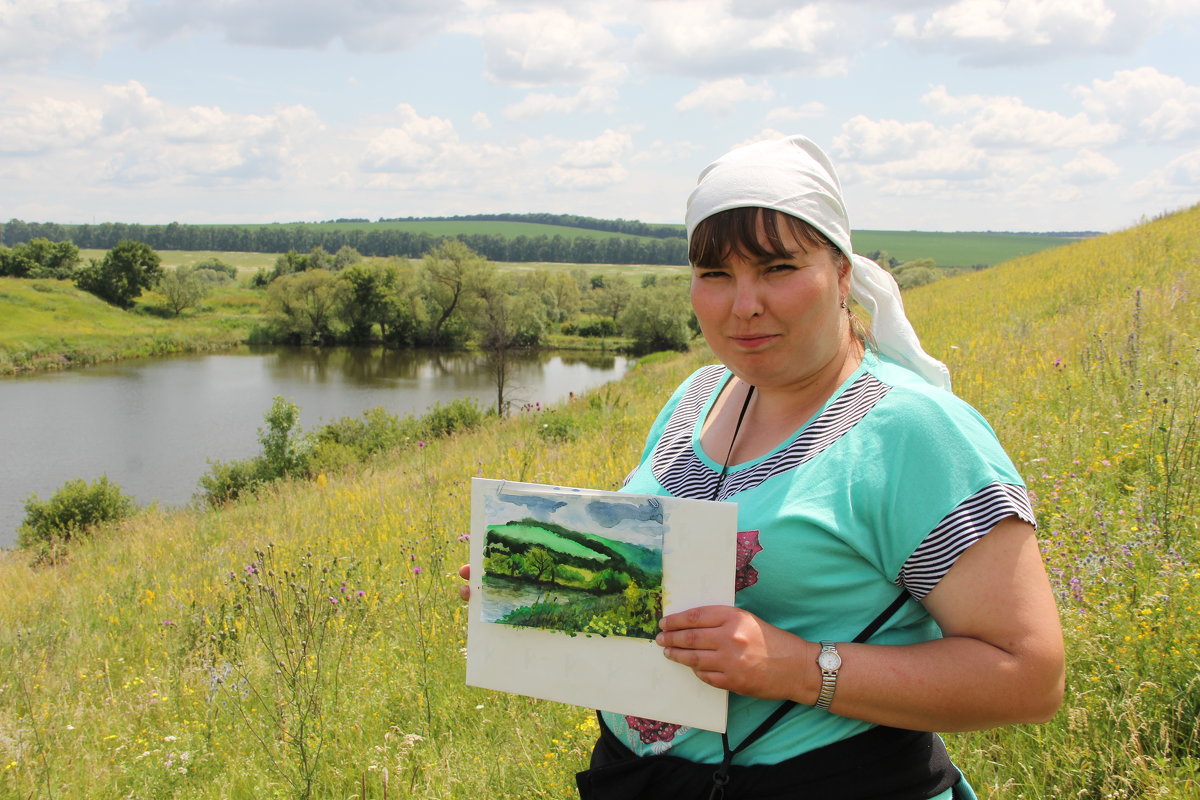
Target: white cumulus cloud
123, 134
539, 104
992, 32
414, 145
1090, 167
1159, 107
34, 32
548, 46
723, 96
1007, 122
361, 25
873, 141
716, 38
593, 163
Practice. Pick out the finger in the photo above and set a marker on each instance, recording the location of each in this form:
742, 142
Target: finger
698, 661
687, 639
699, 617
464, 572
465, 593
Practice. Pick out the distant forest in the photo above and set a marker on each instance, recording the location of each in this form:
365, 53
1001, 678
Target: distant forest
643, 244
626, 226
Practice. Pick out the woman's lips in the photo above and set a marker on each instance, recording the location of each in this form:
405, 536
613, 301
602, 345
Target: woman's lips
752, 341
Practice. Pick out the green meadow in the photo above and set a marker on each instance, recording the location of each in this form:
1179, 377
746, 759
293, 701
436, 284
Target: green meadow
308, 642
50, 324
955, 249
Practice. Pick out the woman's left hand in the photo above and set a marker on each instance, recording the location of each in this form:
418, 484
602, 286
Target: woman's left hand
732, 649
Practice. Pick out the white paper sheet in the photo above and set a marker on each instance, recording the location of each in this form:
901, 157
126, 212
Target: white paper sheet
622, 674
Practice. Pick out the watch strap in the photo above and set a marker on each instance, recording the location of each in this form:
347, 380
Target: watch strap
828, 679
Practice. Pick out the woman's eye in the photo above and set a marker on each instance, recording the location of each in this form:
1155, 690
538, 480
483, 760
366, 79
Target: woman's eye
780, 268
712, 273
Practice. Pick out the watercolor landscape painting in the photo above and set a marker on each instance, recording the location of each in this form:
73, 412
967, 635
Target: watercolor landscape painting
568, 586
574, 563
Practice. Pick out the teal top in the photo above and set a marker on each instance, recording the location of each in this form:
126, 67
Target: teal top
883, 489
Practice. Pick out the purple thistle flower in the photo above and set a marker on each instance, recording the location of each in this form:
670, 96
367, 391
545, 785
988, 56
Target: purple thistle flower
417, 570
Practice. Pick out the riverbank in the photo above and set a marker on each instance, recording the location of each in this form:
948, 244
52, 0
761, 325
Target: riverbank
49, 324
137, 669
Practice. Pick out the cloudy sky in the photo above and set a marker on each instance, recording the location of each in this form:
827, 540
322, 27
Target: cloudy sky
970, 115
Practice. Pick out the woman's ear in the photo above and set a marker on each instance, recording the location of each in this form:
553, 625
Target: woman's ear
844, 266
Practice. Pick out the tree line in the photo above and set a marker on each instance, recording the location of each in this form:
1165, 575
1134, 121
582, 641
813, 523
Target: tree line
369, 241
626, 226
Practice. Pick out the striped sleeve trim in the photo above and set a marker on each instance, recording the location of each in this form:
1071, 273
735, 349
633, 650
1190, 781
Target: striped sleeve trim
960, 529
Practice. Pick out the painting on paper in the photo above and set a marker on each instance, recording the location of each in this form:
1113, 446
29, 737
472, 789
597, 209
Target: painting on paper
574, 563
568, 586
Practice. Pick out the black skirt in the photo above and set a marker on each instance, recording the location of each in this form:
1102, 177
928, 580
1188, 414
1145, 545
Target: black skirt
879, 764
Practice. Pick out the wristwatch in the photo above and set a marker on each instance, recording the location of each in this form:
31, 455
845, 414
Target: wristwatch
830, 662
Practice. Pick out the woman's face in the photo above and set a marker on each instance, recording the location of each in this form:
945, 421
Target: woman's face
775, 322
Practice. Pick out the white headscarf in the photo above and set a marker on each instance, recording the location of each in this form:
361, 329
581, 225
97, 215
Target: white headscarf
795, 176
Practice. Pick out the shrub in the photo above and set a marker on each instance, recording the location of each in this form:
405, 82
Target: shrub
73, 511
590, 325
285, 450
559, 427
228, 480
217, 267
458, 415
375, 431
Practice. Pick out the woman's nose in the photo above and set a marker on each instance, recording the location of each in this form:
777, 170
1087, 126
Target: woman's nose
747, 299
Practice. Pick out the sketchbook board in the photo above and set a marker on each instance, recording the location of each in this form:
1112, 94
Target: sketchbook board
617, 673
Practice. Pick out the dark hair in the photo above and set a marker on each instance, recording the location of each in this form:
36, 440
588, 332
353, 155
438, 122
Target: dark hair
735, 230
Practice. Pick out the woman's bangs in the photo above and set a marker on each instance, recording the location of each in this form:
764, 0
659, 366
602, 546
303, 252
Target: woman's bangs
736, 232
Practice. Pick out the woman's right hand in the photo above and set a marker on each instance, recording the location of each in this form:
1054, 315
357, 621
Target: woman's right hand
464, 591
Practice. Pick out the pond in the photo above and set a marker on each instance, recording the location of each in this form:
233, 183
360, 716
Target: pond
152, 425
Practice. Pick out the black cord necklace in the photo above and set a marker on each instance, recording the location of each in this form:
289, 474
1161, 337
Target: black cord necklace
732, 440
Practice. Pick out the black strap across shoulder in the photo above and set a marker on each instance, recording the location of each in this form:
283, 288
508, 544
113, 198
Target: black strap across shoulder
721, 776
881, 763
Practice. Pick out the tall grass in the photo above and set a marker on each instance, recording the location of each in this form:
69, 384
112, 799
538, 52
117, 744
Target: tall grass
117, 679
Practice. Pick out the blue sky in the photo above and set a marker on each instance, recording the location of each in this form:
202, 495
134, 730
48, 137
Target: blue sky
1029, 115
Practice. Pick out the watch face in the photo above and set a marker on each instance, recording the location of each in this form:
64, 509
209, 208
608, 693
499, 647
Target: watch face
829, 660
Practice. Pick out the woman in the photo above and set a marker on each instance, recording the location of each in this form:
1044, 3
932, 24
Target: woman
889, 581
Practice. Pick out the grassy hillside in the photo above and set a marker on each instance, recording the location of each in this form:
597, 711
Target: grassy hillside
151, 665
49, 323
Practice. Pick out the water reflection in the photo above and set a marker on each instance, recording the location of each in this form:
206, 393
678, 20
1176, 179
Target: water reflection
152, 425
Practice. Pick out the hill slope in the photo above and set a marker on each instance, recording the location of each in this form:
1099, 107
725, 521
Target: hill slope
145, 647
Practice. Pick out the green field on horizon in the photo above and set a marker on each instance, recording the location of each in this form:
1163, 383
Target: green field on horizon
947, 249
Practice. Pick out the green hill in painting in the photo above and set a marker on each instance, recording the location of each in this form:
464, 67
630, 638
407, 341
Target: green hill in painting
580, 549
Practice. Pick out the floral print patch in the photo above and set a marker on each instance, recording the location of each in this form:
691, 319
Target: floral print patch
747, 548
652, 731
